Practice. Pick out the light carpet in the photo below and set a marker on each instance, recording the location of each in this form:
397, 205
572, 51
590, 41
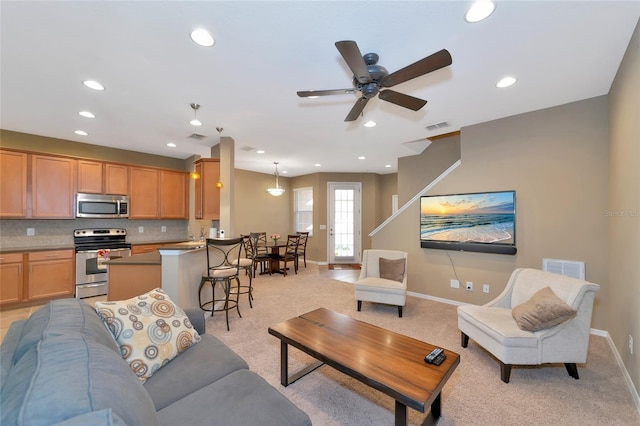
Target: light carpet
474, 395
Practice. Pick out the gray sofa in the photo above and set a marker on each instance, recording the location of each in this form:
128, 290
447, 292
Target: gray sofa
62, 366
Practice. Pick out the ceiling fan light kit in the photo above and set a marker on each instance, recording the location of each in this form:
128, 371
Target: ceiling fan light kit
275, 190
369, 78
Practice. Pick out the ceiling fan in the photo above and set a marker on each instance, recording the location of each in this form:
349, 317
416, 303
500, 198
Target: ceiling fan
369, 78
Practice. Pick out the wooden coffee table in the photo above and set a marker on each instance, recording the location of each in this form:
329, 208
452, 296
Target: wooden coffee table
386, 361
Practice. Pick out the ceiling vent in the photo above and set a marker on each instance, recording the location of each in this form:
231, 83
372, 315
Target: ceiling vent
197, 137
437, 126
247, 148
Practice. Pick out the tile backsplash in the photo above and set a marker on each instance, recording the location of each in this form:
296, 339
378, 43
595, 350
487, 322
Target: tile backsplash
53, 233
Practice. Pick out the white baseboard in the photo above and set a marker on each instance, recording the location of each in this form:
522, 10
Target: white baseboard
594, 331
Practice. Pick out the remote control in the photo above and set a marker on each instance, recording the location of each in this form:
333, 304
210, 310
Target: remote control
438, 360
433, 355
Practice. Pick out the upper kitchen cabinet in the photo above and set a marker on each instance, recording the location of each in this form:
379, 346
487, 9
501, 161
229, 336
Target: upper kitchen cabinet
207, 194
144, 194
97, 177
13, 184
90, 176
116, 179
53, 182
174, 194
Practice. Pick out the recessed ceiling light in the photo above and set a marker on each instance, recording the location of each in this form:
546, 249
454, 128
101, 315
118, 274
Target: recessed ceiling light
195, 122
260, 151
387, 165
171, 145
284, 172
318, 165
370, 123
506, 82
202, 37
87, 114
362, 157
479, 10
312, 97
91, 84
81, 133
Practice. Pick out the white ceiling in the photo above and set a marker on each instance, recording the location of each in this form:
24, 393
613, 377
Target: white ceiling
265, 51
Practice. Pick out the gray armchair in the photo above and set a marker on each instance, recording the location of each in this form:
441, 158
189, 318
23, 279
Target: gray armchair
494, 327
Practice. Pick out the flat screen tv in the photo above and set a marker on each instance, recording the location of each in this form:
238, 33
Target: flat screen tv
479, 222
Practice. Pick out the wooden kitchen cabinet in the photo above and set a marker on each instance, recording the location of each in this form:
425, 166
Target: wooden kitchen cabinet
144, 194
116, 179
90, 176
174, 194
53, 182
207, 194
50, 274
11, 278
13, 184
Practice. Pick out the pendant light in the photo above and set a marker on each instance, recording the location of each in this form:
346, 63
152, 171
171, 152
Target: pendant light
195, 121
276, 190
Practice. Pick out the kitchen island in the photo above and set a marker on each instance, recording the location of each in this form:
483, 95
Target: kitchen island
176, 268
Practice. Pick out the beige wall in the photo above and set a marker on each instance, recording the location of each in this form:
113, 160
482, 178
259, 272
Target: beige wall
624, 209
557, 161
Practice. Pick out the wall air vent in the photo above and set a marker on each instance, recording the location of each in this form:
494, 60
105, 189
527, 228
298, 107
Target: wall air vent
569, 268
437, 126
197, 137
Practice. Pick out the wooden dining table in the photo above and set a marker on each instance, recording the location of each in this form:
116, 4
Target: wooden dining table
274, 253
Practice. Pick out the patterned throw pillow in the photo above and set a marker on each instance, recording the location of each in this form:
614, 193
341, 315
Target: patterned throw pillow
150, 329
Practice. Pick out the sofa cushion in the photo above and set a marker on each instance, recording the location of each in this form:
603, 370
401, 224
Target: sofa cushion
60, 317
196, 368
392, 269
543, 310
8, 347
65, 376
150, 329
104, 417
240, 398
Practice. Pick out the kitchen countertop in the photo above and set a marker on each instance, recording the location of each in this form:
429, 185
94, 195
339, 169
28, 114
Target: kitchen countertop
32, 248
138, 259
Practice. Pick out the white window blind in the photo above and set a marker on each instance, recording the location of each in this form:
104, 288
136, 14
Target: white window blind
303, 210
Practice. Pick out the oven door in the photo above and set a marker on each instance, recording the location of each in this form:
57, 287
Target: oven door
91, 272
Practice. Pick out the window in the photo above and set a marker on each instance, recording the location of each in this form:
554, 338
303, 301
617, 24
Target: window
303, 210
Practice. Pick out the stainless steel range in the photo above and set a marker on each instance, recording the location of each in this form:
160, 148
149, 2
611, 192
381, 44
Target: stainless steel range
93, 248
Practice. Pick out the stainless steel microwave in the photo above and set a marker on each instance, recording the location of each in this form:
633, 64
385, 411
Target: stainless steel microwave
102, 206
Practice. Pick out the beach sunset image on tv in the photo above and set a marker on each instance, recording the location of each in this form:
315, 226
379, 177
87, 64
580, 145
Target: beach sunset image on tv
487, 217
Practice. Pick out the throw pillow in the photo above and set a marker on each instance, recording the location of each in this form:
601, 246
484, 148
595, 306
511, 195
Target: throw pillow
150, 329
543, 310
391, 269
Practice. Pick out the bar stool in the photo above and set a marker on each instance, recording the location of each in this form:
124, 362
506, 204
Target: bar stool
221, 271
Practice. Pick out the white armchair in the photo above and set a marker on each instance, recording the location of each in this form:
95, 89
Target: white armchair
493, 326
371, 287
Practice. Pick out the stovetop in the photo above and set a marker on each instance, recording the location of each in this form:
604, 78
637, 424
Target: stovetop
97, 239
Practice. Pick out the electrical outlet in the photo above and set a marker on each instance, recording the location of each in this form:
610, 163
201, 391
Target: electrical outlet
140, 229
485, 288
469, 286
31, 232
163, 229
455, 284
631, 344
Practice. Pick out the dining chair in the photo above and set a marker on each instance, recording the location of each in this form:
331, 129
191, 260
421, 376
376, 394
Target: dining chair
262, 242
290, 253
260, 257
302, 248
221, 271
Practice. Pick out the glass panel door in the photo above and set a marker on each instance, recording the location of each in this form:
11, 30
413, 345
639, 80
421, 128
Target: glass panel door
344, 222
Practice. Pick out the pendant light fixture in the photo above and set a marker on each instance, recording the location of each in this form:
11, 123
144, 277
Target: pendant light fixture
276, 190
195, 121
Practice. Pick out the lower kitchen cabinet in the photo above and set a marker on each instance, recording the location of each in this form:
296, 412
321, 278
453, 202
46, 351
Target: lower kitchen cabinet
50, 274
11, 278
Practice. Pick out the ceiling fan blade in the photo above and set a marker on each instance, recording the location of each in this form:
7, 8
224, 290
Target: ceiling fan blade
311, 93
357, 109
402, 99
352, 56
424, 66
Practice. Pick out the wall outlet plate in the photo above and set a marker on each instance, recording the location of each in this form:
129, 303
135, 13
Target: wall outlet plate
455, 284
469, 286
31, 232
163, 229
485, 288
140, 229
